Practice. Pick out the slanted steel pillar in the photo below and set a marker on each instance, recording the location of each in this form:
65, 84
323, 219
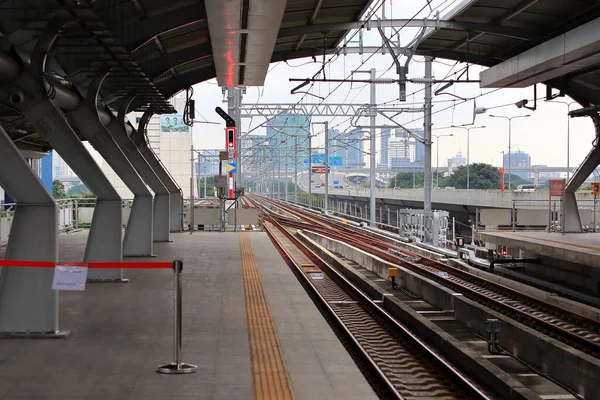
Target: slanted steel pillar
161, 194
572, 219
139, 138
27, 302
104, 241
138, 235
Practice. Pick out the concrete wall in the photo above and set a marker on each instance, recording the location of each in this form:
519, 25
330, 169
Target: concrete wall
568, 304
430, 291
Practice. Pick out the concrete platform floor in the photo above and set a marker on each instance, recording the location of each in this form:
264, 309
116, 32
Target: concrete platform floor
582, 248
122, 332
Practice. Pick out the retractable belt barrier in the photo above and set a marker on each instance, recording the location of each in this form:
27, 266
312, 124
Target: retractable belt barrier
78, 271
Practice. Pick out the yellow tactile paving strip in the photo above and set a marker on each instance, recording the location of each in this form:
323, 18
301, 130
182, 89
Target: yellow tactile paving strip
269, 372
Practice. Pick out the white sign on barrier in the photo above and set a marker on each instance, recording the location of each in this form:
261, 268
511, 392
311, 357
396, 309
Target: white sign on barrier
69, 277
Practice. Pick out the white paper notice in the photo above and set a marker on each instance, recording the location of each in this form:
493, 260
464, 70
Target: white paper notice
69, 277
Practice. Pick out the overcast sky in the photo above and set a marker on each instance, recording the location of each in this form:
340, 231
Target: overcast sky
543, 135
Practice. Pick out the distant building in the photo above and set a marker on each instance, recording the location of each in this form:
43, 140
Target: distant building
517, 159
419, 147
458, 160
405, 151
384, 147
60, 169
337, 147
283, 132
355, 156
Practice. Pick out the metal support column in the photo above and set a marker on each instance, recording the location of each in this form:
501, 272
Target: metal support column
176, 197
326, 162
427, 133
373, 153
161, 209
28, 305
309, 169
296, 169
138, 235
104, 240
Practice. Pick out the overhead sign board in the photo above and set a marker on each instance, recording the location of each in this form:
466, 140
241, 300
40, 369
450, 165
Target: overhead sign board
334, 161
557, 187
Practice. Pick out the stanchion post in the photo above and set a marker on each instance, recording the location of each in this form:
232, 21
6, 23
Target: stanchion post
177, 367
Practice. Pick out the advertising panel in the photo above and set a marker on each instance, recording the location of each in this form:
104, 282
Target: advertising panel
173, 123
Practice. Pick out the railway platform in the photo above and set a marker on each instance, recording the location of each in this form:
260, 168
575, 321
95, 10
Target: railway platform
248, 325
572, 259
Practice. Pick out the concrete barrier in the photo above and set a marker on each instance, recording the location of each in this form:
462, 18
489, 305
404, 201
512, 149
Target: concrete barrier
571, 367
428, 290
567, 304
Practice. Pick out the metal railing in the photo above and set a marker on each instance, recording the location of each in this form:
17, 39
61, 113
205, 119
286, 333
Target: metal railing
540, 214
73, 213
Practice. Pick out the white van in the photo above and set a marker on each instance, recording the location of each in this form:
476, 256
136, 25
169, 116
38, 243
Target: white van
525, 188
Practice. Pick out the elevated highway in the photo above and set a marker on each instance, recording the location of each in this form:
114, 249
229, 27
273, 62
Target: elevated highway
456, 200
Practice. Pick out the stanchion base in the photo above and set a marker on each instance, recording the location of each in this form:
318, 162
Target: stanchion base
122, 280
36, 335
174, 368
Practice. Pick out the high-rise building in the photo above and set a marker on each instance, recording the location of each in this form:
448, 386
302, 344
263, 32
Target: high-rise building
400, 151
337, 147
419, 147
170, 140
60, 169
355, 157
459, 160
517, 159
384, 147
405, 150
283, 132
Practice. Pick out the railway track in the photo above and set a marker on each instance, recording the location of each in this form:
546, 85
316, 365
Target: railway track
571, 328
398, 364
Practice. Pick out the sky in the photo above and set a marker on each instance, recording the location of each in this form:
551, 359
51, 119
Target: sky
543, 135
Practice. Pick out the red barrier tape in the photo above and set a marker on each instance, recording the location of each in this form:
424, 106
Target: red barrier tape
49, 264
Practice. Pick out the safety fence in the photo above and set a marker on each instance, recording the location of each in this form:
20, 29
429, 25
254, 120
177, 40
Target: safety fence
208, 214
537, 214
73, 276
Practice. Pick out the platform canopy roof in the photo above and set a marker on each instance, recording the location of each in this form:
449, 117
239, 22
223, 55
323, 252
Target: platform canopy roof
534, 23
156, 48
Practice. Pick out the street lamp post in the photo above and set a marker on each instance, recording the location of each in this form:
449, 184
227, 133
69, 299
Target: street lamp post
326, 163
509, 137
437, 168
468, 128
568, 134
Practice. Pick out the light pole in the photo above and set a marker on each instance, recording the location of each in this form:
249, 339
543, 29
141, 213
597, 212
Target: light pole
326, 162
509, 137
468, 128
437, 167
568, 134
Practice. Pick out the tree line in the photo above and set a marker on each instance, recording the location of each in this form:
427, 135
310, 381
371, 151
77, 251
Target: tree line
481, 176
